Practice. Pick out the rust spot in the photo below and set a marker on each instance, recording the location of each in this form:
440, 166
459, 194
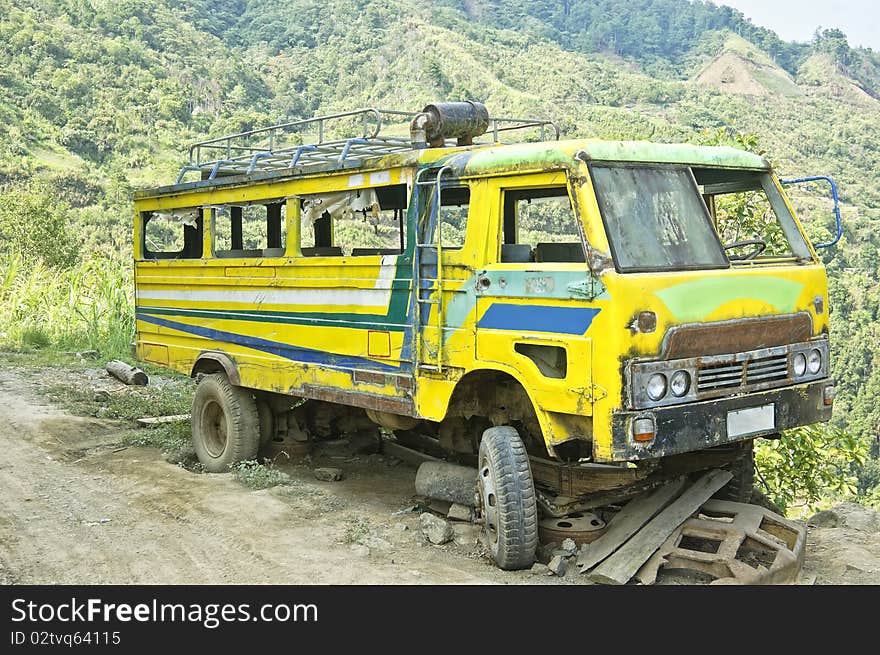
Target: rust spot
736, 336
368, 377
371, 377
391, 405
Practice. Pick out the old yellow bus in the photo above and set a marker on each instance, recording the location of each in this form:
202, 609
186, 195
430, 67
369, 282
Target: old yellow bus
565, 315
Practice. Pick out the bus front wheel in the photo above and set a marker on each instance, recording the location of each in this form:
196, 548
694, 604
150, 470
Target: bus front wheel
506, 494
225, 423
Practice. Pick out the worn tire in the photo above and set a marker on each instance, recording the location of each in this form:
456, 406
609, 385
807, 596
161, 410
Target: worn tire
507, 498
225, 423
742, 484
267, 421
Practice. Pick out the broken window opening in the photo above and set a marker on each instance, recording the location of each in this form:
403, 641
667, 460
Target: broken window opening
251, 230
354, 223
174, 234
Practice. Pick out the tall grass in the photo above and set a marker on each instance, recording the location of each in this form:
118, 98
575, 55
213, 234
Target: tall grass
86, 306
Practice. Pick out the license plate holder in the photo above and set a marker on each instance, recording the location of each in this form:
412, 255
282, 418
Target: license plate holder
751, 420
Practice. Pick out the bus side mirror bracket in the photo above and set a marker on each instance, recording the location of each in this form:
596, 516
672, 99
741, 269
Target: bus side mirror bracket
830, 181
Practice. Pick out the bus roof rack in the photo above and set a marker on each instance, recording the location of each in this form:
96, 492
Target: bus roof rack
282, 147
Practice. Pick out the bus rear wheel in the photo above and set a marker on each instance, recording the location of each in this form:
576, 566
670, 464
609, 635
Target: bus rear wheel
225, 423
506, 495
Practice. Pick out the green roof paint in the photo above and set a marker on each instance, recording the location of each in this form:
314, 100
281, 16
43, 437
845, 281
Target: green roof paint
697, 299
504, 157
677, 153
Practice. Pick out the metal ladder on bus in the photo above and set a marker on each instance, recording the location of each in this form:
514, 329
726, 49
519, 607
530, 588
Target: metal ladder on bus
419, 280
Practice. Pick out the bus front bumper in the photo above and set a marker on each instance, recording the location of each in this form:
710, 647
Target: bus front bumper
697, 426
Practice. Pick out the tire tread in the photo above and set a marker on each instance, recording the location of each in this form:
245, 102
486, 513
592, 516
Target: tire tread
515, 491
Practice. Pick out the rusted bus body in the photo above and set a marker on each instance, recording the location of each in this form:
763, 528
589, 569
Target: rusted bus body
555, 336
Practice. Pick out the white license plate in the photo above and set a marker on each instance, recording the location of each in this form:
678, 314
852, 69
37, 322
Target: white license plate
751, 421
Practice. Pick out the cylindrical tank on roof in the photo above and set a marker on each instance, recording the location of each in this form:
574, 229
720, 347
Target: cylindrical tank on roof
449, 120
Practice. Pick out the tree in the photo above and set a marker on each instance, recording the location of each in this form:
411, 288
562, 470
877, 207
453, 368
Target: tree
35, 225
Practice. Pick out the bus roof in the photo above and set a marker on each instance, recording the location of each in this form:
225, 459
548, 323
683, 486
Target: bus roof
498, 158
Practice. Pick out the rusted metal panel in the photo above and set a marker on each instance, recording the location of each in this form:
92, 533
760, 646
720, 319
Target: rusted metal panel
403, 382
575, 480
392, 405
736, 336
206, 361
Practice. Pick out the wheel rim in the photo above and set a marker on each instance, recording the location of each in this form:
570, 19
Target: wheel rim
214, 429
488, 501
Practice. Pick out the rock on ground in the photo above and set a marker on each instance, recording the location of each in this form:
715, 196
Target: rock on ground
540, 569
459, 512
847, 515
435, 529
558, 565
328, 474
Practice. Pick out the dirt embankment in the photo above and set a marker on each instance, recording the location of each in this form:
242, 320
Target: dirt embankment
78, 506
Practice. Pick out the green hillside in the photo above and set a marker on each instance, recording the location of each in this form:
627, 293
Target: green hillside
101, 96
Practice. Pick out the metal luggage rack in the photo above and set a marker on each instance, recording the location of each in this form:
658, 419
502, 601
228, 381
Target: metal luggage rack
280, 147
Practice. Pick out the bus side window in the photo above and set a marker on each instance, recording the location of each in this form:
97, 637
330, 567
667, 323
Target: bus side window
254, 230
354, 223
175, 234
540, 226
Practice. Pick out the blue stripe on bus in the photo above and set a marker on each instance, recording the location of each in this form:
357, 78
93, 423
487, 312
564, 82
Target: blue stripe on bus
538, 318
293, 353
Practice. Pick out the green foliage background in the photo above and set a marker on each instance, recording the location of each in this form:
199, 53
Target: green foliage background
102, 96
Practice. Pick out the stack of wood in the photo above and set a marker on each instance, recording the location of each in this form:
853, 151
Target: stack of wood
643, 525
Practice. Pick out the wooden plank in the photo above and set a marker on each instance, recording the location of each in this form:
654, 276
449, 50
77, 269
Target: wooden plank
623, 564
151, 422
649, 571
627, 522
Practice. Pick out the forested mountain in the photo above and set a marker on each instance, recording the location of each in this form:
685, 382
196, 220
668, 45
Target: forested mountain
101, 96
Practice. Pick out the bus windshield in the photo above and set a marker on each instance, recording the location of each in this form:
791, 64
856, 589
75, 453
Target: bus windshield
656, 220
668, 218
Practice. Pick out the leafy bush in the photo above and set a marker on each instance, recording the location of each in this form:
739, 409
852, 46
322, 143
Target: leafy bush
808, 464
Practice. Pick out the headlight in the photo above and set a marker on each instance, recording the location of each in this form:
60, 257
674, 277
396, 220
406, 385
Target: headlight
799, 364
656, 386
680, 383
814, 361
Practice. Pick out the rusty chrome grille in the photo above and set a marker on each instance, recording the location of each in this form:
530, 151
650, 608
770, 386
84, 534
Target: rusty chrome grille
767, 369
719, 376
724, 375
730, 375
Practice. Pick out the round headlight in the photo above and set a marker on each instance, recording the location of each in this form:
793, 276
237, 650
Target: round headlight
656, 386
680, 383
799, 364
814, 361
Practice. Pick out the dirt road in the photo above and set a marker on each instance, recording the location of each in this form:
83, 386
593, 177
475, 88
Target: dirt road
76, 506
